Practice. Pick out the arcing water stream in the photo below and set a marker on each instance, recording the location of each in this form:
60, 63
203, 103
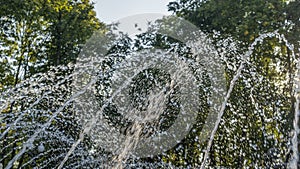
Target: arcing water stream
61, 121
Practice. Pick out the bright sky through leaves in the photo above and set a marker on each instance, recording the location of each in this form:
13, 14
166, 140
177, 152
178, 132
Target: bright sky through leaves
112, 10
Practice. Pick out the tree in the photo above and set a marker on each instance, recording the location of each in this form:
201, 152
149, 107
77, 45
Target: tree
38, 40
41, 34
257, 119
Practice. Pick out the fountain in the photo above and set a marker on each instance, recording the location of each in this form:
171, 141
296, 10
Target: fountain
130, 101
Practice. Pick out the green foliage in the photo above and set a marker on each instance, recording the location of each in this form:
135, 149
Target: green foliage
243, 20
39, 34
254, 129
35, 36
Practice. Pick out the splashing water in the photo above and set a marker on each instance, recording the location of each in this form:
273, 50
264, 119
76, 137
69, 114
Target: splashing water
64, 116
295, 157
260, 39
